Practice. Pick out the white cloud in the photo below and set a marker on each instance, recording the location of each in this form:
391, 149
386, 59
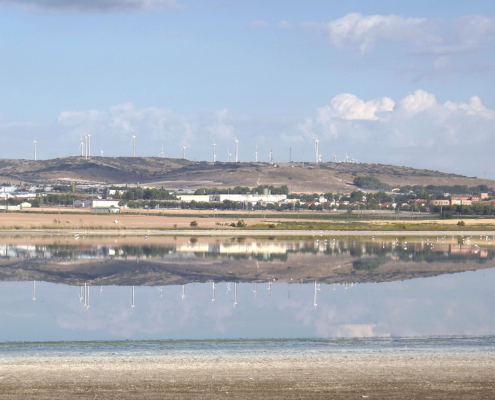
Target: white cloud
473, 108
350, 107
221, 129
93, 6
284, 25
422, 35
362, 32
257, 24
417, 102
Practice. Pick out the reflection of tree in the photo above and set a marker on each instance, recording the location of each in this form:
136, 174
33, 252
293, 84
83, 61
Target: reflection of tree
364, 264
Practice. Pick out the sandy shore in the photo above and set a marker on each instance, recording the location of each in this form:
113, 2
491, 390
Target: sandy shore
328, 376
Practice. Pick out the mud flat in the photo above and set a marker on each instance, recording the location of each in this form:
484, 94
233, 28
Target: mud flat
277, 376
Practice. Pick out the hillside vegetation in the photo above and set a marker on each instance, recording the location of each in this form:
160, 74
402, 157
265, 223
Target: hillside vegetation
324, 177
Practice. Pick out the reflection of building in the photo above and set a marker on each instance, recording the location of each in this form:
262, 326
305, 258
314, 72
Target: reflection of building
239, 248
105, 210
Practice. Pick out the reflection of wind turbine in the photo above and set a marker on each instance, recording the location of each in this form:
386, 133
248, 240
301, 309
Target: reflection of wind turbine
213, 292
85, 300
183, 293
270, 288
160, 289
255, 290
87, 297
316, 291
132, 299
228, 288
80, 294
235, 294
34, 290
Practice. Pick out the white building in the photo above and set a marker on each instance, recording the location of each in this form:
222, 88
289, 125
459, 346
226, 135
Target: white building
96, 203
249, 198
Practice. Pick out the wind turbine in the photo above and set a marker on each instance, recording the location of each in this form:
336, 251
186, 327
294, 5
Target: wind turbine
86, 145
34, 148
161, 154
101, 153
81, 146
89, 145
317, 141
256, 154
271, 157
236, 150
184, 151
214, 152
133, 144
228, 159
335, 158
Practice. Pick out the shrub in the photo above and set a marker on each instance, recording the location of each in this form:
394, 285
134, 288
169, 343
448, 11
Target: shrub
241, 223
461, 223
194, 223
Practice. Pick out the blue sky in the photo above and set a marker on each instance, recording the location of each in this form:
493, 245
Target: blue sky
408, 83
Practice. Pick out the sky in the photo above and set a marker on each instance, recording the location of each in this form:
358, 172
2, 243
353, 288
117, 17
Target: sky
404, 83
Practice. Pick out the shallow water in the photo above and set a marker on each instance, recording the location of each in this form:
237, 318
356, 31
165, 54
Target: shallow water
102, 290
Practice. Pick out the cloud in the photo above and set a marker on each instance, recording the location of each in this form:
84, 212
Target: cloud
422, 35
257, 24
221, 129
417, 102
473, 108
284, 25
94, 6
362, 32
350, 107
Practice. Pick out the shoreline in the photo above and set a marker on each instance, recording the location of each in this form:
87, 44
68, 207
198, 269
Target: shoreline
237, 233
259, 374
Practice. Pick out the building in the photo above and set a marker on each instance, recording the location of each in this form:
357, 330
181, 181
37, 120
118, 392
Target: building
243, 198
464, 199
440, 202
96, 203
418, 202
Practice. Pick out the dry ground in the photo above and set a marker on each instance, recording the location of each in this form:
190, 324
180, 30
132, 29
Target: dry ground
264, 376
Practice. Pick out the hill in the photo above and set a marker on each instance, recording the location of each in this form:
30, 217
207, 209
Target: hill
154, 171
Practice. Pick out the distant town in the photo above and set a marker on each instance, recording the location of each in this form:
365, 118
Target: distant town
371, 195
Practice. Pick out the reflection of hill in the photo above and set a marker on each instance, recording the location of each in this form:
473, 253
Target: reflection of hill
338, 268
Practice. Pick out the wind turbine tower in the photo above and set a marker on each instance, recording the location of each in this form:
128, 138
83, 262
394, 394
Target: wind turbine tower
86, 145
214, 152
183, 151
317, 141
256, 154
133, 144
271, 157
89, 145
34, 148
229, 158
236, 150
162, 154
81, 145
101, 153
335, 158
